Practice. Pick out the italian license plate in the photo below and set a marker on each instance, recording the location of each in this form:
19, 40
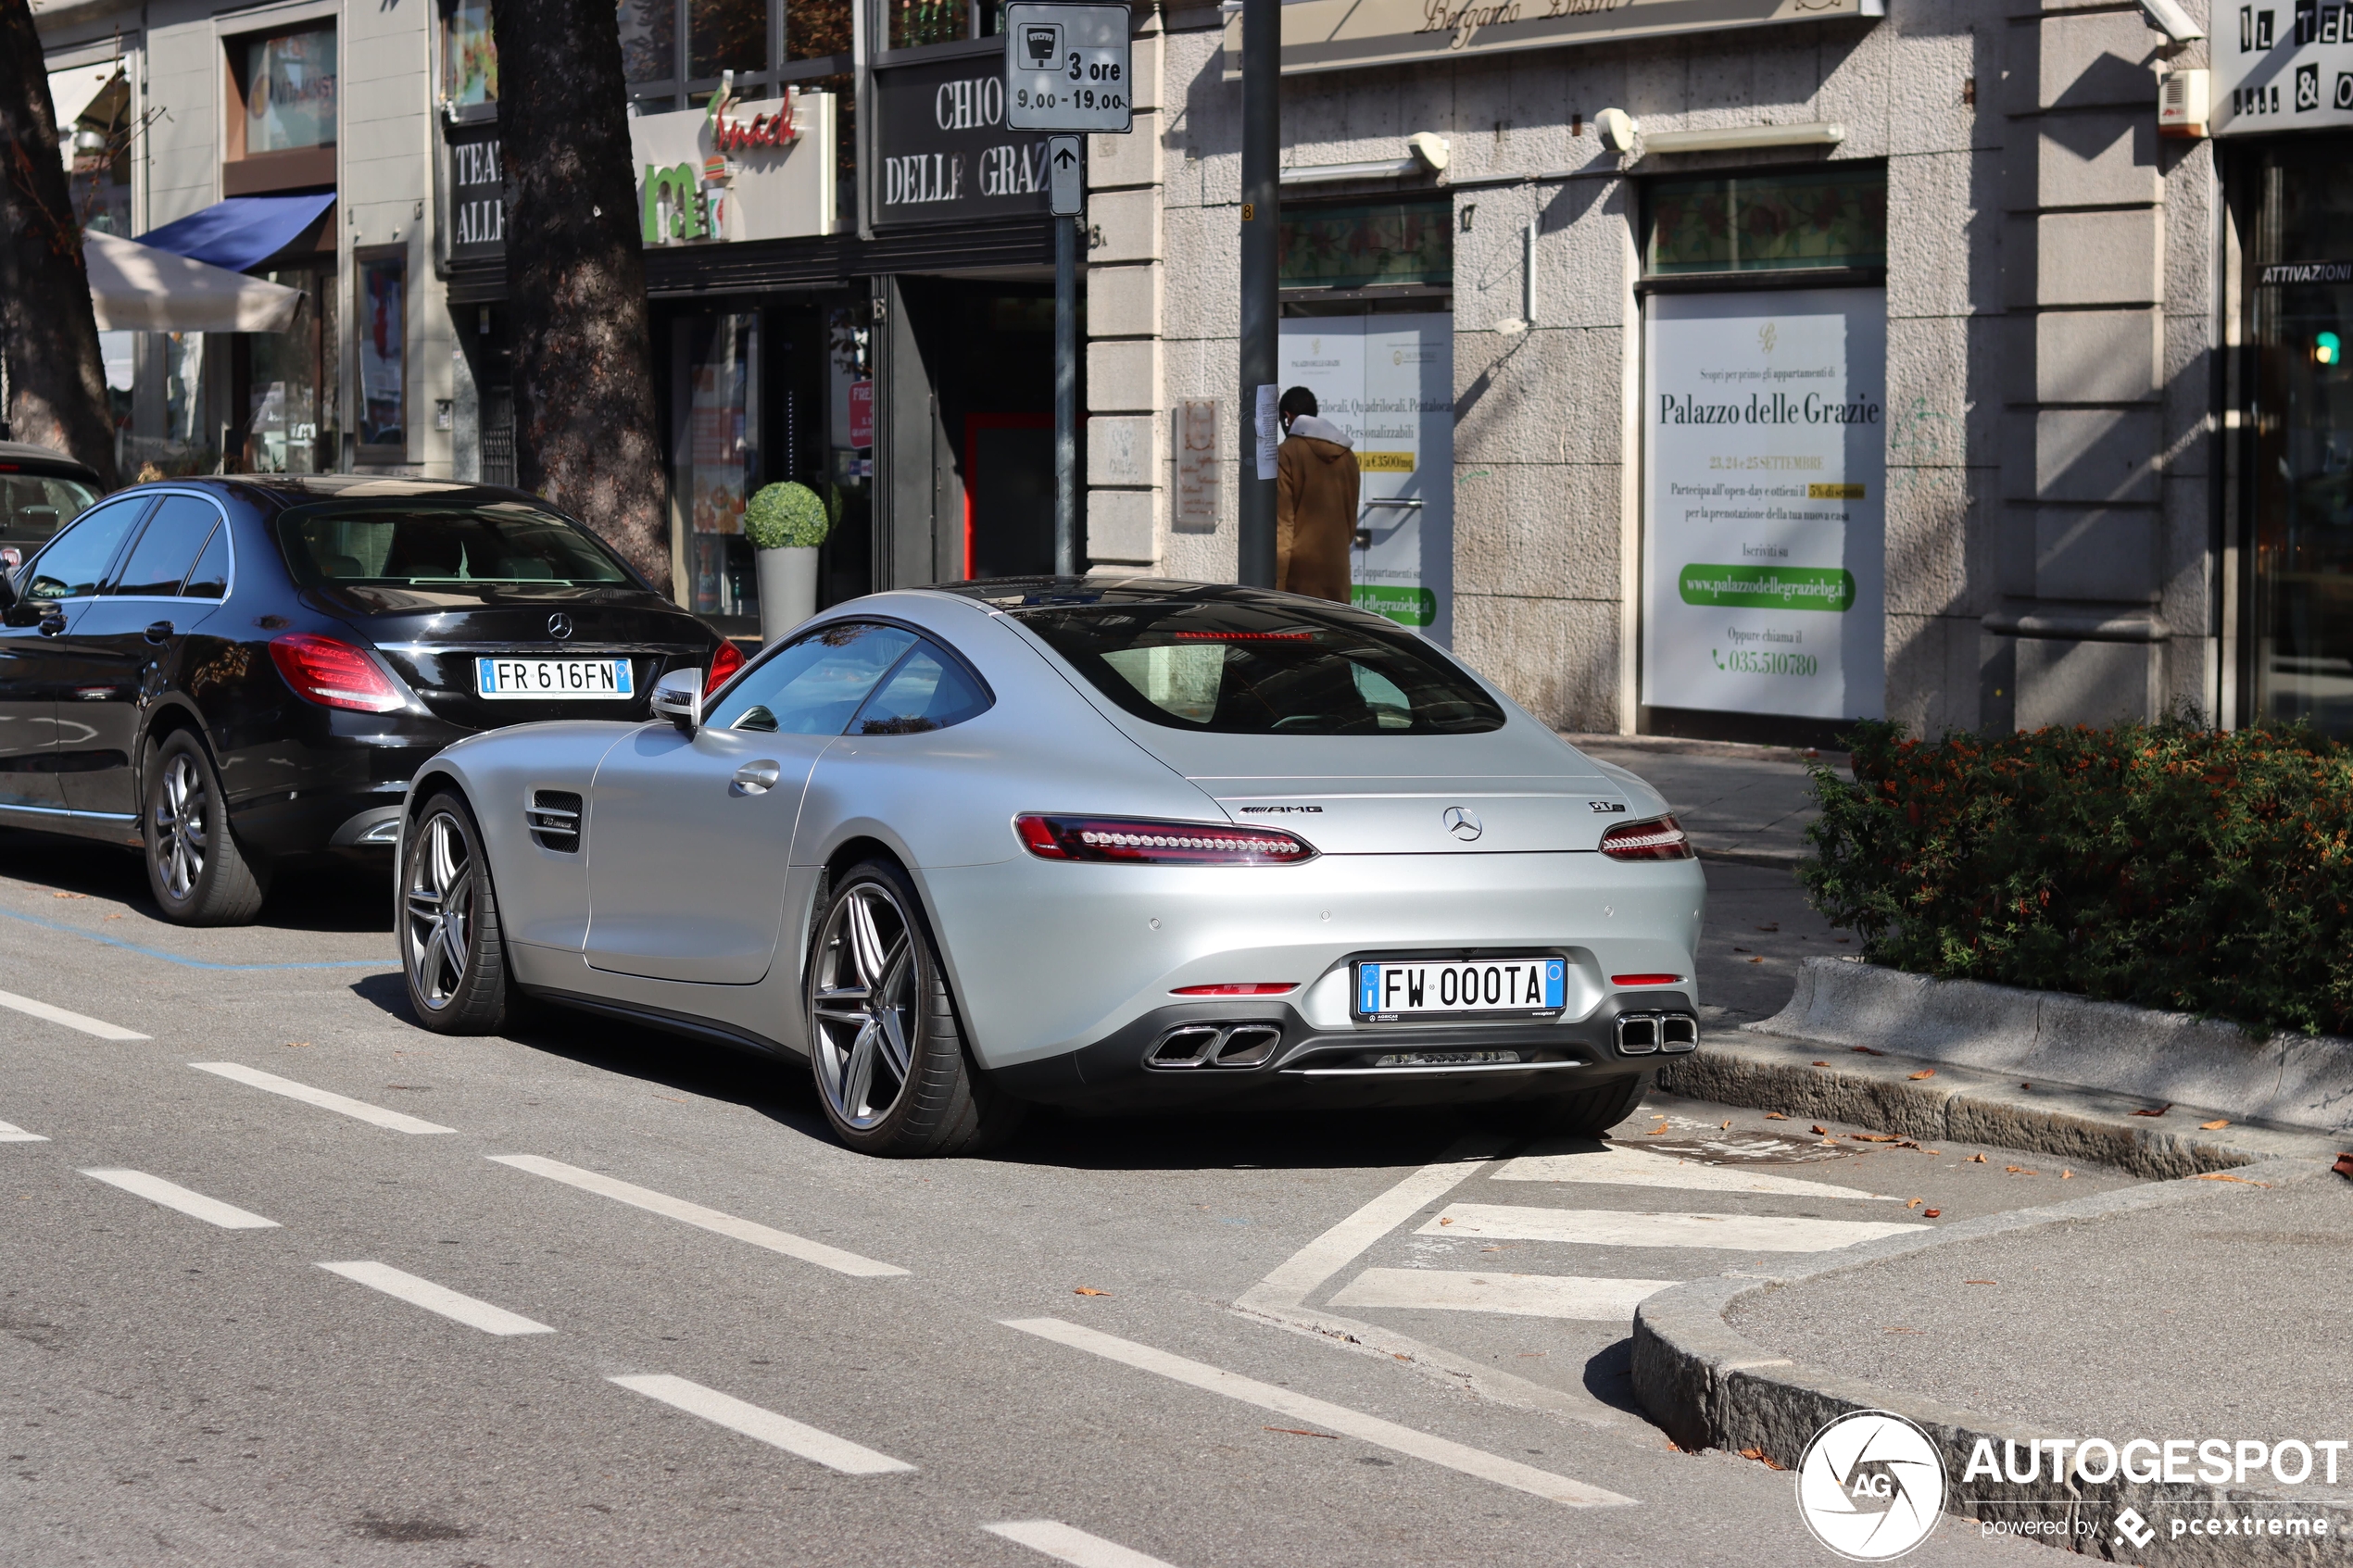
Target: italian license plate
1395, 988
546, 679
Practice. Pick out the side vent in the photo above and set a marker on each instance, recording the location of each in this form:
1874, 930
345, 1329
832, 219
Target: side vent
554, 816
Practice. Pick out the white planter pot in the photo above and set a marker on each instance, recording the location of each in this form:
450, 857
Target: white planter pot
787, 588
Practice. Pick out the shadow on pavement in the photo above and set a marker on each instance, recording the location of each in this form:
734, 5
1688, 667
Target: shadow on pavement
325, 896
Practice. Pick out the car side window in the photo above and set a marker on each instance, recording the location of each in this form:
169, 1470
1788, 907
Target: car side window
75, 562
813, 685
929, 690
168, 548
209, 579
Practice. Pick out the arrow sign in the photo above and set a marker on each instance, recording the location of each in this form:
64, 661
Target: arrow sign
1065, 176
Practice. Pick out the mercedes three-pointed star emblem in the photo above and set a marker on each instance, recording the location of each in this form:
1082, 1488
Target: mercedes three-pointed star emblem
1463, 822
559, 626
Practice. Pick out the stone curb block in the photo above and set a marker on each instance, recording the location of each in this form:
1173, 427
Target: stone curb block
2293, 1080
1709, 1386
1965, 1105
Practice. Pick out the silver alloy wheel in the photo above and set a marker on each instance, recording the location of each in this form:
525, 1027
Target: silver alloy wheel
438, 908
180, 826
861, 1005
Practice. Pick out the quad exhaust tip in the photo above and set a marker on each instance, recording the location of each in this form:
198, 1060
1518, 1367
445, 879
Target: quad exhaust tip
1650, 1034
1215, 1044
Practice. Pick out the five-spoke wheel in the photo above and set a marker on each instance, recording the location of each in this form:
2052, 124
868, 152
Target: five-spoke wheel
196, 869
452, 950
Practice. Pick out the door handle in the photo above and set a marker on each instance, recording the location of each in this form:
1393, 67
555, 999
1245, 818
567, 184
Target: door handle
755, 778
53, 625
157, 631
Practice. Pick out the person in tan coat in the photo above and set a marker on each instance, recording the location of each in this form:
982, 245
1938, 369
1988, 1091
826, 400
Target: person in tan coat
1316, 485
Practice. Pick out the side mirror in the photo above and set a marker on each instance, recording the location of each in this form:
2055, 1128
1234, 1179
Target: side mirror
678, 697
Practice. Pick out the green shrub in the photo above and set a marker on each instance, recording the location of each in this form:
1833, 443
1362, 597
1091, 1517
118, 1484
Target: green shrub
2163, 865
782, 515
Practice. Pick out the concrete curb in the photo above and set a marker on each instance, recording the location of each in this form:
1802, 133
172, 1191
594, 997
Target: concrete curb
1968, 1106
1709, 1386
2302, 1081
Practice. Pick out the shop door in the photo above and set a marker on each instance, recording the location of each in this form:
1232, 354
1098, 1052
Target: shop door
1764, 503
1009, 495
1389, 382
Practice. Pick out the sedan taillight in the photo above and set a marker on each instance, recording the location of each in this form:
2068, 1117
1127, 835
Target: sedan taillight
725, 660
1657, 840
334, 674
1139, 842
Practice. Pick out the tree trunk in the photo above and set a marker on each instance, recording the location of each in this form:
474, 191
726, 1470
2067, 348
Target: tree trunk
585, 431
57, 381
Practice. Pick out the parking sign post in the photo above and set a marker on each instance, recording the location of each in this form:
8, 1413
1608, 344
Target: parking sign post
1067, 68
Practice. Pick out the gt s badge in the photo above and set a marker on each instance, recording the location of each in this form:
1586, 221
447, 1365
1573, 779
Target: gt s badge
1606, 806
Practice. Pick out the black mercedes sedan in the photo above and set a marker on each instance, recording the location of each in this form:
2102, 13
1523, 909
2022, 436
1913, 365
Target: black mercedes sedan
226, 672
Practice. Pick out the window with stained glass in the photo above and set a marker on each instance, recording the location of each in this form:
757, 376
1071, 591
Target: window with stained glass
1367, 246
1830, 217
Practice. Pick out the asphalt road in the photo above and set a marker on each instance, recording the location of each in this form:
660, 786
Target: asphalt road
595, 1296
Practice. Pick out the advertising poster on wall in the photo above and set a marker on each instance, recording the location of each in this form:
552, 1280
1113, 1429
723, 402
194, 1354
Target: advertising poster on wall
1765, 503
1389, 382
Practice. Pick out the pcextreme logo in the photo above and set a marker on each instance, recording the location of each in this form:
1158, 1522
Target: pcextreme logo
1870, 1486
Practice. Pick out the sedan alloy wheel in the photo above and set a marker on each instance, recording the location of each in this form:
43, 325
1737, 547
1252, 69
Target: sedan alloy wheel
182, 826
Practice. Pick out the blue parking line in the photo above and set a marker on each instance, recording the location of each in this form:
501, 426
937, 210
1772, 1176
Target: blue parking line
193, 963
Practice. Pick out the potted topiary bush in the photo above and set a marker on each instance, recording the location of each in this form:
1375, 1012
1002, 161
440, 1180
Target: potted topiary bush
785, 523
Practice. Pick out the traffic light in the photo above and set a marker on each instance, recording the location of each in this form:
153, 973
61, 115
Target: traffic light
2327, 349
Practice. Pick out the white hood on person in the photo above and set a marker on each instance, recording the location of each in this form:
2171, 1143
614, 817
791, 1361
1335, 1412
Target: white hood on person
1319, 428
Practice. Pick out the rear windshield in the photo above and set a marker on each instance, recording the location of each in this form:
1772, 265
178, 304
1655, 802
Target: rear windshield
1233, 668
32, 507
408, 545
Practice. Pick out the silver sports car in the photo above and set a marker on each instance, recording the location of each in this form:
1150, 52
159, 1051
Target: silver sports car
1125, 843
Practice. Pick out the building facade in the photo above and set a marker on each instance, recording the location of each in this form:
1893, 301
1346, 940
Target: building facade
1733, 368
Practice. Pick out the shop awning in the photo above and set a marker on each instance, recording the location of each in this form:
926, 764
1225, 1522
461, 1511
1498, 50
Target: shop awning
242, 231
138, 288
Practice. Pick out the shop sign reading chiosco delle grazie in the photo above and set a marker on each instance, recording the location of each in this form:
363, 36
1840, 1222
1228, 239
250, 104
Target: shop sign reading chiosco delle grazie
946, 156
1341, 35
735, 170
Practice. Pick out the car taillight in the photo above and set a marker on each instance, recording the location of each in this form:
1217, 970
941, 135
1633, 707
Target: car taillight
1658, 840
1247, 988
1638, 980
1139, 842
725, 662
333, 673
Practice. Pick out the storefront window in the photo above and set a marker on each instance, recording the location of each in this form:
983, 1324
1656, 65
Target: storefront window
291, 379
290, 91
2303, 422
1764, 223
98, 144
382, 346
469, 57
816, 28
726, 35
1383, 242
715, 456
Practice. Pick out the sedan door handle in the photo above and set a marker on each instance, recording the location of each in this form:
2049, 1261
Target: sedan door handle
159, 631
755, 778
53, 625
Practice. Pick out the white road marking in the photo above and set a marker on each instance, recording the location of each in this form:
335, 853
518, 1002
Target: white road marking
82, 1021
17, 1134
1337, 1418
779, 1430
171, 1194
324, 1099
1526, 1296
1337, 1247
437, 1298
1075, 1547
1640, 1168
808, 1251
1619, 1227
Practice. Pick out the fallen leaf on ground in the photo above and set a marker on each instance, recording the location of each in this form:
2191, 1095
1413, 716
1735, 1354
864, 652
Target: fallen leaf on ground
2226, 1176
1089, 1290
2214, 1126
1299, 1432
1775, 926
1736, 949
1759, 1456
1915, 1203
1725, 1125
1654, 1132
1906, 1143
2066, 1174
1924, 1073
1831, 1142
2021, 1171
1757, 960
2026, 1086
68, 896
2158, 1111
2343, 1166
1977, 1160
298, 1045
1931, 1213
1977, 1282
1775, 1116
1821, 1064
1819, 1128
1447, 1220
1872, 1138
1865, 1050
1894, 1330
114, 917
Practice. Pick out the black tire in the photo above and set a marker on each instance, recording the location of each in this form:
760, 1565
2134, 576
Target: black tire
1585, 1114
196, 869
453, 953
881, 1018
